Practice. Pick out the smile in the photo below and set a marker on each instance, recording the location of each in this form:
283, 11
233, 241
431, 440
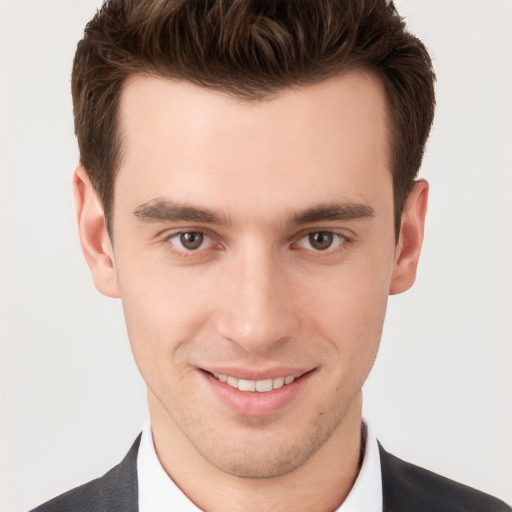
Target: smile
260, 386
268, 392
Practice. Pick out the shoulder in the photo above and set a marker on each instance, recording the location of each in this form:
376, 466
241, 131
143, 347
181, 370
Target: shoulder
115, 490
413, 489
85, 497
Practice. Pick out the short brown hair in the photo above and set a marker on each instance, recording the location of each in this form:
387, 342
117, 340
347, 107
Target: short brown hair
249, 49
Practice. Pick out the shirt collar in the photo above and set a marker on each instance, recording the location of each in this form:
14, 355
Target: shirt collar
366, 493
158, 492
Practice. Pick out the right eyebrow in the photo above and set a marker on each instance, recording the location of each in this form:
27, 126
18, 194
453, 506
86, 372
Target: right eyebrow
164, 210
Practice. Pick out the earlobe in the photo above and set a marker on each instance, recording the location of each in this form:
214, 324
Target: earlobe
411, 239
96, 244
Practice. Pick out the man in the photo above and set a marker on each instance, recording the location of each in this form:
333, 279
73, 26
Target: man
247, 188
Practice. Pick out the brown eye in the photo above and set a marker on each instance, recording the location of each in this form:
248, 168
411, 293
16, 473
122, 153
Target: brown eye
321, 240
192, 240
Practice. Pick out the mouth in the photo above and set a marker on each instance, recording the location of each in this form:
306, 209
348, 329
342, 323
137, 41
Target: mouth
259, 386
267, 393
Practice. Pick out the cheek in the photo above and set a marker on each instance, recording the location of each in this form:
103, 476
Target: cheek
163, 309
348, 310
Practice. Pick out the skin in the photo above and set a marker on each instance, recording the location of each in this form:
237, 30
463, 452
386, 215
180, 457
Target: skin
256, 295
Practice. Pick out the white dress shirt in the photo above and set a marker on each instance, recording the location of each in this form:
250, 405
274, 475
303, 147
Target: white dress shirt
158, 492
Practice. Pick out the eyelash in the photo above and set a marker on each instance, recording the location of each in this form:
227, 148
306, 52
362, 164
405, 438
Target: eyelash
343, 239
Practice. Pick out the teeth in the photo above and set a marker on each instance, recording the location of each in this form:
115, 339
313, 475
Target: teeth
232, 381
278, 383
262, 386
246, 385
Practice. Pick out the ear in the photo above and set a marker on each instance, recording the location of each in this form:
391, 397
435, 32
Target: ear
411, 238
94, 238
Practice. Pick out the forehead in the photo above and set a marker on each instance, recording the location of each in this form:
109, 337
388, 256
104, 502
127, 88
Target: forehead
196, 145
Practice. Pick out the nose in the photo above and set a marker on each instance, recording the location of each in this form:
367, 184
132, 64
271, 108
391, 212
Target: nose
257, 303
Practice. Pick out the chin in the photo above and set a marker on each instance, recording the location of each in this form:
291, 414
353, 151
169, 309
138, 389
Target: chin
266, 459
248, 466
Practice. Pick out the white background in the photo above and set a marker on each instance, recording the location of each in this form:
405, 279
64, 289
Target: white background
440, 394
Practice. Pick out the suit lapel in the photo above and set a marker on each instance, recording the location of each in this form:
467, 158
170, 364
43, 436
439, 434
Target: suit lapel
118, 489
390, 493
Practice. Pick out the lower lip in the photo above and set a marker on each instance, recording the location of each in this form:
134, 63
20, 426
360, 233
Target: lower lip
253, 403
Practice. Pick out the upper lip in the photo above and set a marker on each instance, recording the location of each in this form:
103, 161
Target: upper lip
257, 374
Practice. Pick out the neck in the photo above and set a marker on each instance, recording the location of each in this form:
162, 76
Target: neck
321, 483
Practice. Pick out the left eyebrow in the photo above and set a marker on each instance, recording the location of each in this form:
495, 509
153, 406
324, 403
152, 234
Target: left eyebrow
336, 211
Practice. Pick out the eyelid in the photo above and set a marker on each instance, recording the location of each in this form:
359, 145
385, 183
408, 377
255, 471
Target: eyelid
344, 233
167, 233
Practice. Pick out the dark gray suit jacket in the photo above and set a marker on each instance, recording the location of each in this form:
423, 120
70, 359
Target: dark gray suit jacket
406, 488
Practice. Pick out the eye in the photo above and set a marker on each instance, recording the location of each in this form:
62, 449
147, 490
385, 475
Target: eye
321, 240
190, 241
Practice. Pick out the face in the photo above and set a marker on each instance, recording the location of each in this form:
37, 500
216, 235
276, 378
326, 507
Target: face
253, 252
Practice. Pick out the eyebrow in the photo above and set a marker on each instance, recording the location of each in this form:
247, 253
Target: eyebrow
163, 210
333, 211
